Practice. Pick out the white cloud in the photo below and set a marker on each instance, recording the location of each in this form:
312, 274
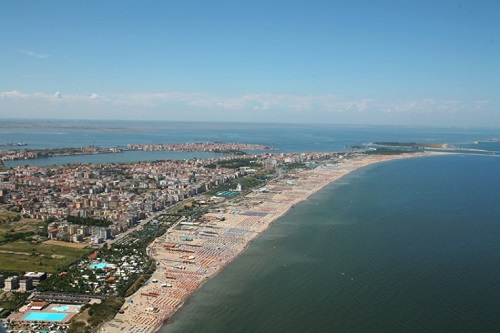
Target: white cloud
427, 107
11, 94
327, 108
480, 104
33, 54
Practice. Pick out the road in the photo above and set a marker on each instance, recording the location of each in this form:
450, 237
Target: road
143, 222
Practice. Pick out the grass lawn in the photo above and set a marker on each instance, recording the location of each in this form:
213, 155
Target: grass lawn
22, 226
25, 256
6, 214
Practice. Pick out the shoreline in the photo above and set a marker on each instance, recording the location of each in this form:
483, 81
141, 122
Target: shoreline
188, 258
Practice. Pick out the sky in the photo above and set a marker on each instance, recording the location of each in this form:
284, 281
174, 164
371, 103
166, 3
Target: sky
405, 62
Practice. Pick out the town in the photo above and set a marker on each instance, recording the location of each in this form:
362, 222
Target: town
217, 147
77, 235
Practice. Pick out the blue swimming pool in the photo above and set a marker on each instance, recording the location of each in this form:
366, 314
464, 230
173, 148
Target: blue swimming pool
63, 308
45, 316
102, 265
99, 266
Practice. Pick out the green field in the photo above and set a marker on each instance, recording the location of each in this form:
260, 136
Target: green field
24, 256
6, 216
22, 226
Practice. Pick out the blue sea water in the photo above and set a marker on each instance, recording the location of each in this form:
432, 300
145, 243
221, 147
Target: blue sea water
404, 246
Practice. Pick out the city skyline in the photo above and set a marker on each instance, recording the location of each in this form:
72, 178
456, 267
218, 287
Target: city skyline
391, 62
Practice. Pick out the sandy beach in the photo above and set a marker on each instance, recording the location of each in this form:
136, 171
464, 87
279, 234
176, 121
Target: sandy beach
188, 256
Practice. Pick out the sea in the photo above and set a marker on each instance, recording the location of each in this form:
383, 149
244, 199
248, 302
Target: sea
409, 245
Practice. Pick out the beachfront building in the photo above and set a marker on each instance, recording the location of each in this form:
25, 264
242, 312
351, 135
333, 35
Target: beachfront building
11, 283
25, 284
36, 277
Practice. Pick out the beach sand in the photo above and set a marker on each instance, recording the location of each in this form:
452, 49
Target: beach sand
183, 265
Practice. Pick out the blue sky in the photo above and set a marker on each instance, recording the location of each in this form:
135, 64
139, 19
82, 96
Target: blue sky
359, 62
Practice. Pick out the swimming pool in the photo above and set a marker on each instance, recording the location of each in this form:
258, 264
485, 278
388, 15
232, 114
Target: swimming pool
65, 308
45, 316
98, 266
102, 265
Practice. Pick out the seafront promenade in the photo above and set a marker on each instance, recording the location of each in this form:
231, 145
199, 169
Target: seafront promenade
186, 257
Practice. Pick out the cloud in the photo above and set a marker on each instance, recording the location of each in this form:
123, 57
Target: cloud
11, 94
325, 104
33, 54
326, 108
193, 99
480, 104
427, 107
262, 102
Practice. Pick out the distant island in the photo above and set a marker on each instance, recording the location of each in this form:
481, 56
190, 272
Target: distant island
13, 144
29, 154
413, 145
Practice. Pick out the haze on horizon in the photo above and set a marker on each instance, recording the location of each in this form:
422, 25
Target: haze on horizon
357, 62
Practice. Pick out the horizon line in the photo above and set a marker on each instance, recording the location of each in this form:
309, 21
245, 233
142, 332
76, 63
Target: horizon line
244, 122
